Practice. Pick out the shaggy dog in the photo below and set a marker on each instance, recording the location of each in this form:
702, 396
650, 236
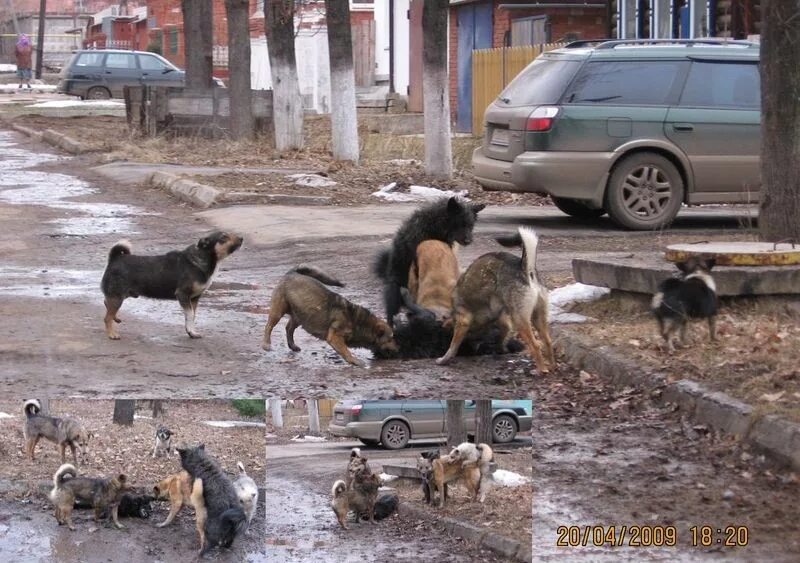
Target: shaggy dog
101, 494
481, 456
247, 491
61, 431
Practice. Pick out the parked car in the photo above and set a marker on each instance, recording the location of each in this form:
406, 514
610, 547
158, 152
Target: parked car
102, 74
634, 129
393, 423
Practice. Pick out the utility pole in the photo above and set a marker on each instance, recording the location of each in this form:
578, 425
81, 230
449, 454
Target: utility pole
40, 38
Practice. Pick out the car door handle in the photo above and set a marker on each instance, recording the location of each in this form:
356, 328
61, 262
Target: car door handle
683, 126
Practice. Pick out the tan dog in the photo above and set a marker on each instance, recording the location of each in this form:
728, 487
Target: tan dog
324, 314
431, 280
180, 490
447, 471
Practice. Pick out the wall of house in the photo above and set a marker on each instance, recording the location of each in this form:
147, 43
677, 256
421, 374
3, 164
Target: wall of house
58, 45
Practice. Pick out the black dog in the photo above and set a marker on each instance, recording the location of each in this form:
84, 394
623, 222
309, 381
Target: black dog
692, 296
130, 506
448, 220
181, 274
385, 506
225, 517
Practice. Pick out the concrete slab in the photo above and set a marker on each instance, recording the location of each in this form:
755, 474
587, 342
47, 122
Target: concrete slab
642, 274
138, 172
396, 124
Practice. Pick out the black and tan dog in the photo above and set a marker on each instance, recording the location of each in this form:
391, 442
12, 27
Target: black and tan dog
502, 289
302, 295
448, 220
62, 431
181, 274
360, 497
223, 515
163, 443
102, 494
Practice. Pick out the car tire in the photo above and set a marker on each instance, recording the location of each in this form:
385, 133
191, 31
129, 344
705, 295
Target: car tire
367, 442
575, 208
504, 429
645, 192
98, 93
395, 435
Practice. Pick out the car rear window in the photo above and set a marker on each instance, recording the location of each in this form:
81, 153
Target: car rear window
625, 83
89, 59
722, 85
541, 82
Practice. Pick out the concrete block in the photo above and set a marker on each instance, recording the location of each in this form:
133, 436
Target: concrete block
470, 532
723, 412
779, 437
285, 199
396, 123
501, 544
52, 137
525, 553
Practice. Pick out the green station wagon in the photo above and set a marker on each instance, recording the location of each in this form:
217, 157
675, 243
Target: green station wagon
393, 423
634, 129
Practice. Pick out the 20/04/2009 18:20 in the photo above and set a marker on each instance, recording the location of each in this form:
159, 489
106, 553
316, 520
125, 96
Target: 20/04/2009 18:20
650, 536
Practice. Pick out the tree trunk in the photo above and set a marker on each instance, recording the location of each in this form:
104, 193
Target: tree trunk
344, 119
456, 430
158, 408
275, 408
123, 411
198, 34
779, 213
436, 89
40, 38
483, 421
239, 89
45, 404
287, 105
313, 417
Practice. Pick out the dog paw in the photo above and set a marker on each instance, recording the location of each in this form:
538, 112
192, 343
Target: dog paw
193, 334
295, 348
266, 346
113, 336
443, 361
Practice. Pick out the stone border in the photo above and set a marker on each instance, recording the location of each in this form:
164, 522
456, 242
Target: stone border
772, 434
187, 190
501, 545
54, 138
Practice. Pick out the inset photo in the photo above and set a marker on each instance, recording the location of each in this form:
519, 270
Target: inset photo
380, 480
133, 480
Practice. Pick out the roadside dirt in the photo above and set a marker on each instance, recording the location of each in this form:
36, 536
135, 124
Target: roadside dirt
755, 358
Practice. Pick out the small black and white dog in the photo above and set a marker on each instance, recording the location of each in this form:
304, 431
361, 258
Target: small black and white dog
691, 296
163, 441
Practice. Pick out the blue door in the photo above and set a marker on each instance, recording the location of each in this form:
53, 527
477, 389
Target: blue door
474, 32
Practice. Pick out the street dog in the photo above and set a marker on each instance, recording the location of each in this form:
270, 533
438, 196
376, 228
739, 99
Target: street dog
302, 295
502, 289
481, 456
360, 497
180, 274
177, 489
431, 281
131, 505
61, 431
224, 517
447, 471
425, 468
247, 491
692, 296
448, 220
102, 494
357, 464
163, 441
385, 506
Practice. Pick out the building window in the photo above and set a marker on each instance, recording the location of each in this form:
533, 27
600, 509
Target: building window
173, 41
529, 31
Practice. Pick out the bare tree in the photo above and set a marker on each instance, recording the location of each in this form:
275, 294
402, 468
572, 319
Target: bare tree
456, 430
313, 417
287, 105
123, 411
780, 121
45, 406
275, 408
436, 89
344, 118
158, 408
40, 38
239, 88
198, 33
483, 421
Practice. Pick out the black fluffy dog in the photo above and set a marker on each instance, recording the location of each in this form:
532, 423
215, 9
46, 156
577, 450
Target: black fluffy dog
385, 506
130, 505
225, 517
448, 220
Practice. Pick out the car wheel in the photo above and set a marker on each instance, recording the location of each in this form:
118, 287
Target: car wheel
367, 442
98, 93
645, 191
504, 429
395, 435
575, 208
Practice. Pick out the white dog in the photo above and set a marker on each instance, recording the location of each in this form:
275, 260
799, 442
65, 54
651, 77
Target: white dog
480, 455
247, 491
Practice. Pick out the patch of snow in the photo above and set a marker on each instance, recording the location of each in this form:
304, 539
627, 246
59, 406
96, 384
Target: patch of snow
299, 438
312, 180
6, 415
573, 293
7, 67
39, 87
386, 478
404, 162
78, 103
233, 424
135, 416
506, 478
416, 193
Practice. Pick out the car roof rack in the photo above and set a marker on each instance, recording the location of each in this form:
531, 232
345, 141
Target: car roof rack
717, 42
585, 43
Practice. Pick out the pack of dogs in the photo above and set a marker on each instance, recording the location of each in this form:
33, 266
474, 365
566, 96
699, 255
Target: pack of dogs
433, 309
223, 507
359, 493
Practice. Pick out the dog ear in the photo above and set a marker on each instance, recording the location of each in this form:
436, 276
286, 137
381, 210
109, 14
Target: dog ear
453, 206
683, 266
156, 491
121, 478
201, 447
478, 207
204, 243
710, 263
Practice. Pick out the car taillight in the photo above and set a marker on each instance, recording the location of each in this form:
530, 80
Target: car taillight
355, 410
541, 119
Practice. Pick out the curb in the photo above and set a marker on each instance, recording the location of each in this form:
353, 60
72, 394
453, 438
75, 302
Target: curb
54, 138
774, 435
501, 545
186, 190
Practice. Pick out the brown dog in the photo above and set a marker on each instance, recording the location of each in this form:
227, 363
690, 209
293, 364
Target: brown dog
176, 488
446, 470
500, 288
431, 280
61, 431
100, 493
324, 314
360, 497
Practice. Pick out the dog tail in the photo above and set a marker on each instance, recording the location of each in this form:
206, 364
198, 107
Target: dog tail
339, 487
318, 275
487, 455
31, 407
240, 465
355, 452
60, 475
381, 263
526, 238
120, 248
